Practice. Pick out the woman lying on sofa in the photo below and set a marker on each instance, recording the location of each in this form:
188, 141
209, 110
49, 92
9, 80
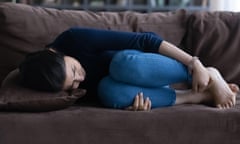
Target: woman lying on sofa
128, 70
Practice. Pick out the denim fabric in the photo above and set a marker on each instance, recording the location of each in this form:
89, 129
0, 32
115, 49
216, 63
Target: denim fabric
133, 71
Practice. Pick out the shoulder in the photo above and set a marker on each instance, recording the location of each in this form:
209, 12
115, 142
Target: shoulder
150, 33
82, 30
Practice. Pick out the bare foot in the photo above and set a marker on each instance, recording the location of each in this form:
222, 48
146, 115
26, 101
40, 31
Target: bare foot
224, 94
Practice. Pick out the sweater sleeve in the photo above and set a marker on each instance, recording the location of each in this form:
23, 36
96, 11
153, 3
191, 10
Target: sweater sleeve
95, 40
63, 41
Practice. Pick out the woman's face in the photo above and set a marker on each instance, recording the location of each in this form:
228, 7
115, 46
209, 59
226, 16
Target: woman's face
75, 73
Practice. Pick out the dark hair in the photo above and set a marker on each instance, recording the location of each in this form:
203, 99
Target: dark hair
43, 70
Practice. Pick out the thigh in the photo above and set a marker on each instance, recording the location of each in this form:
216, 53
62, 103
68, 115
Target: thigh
147, 69
116, 94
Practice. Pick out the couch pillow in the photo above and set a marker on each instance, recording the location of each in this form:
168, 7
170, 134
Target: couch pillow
25, 28
214, 38
14, 97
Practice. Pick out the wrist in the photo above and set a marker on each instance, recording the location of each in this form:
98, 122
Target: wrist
195, 62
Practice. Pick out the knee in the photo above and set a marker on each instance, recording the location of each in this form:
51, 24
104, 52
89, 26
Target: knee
112, 94
123, 64
121, 60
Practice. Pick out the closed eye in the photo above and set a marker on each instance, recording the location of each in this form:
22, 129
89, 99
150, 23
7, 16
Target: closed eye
74, 75
74, 71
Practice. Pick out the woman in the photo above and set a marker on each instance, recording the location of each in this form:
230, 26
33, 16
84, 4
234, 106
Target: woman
80, 57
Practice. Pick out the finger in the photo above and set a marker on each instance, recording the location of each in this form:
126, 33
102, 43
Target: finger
145, 107
194, 85
203, 86
141, 101
136, 102
149, 104
129, 108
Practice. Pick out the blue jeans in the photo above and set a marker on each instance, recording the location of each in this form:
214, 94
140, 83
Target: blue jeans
132, 71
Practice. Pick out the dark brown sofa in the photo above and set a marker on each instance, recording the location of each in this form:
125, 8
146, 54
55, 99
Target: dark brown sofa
213, 36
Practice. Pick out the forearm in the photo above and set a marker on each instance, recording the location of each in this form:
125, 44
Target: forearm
174, 52
200, 76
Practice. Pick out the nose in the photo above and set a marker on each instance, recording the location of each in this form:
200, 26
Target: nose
79, 78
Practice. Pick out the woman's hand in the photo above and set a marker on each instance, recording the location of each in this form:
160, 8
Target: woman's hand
200, 76
140, 104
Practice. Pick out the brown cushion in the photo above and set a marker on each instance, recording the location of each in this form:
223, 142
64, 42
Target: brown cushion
25, 29
214, 37
14, 97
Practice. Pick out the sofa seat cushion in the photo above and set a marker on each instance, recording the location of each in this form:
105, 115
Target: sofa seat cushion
183, 124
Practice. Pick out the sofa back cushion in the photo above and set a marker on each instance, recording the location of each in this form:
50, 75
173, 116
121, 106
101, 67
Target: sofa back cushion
215, 38
25, 29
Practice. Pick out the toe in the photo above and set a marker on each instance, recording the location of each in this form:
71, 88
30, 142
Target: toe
224, 106
227, 105
233, 101
219, 106
231, 104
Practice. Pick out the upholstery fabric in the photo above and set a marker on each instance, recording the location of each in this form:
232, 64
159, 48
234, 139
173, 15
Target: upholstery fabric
213, 37
185, 124
37, 27
14, 97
